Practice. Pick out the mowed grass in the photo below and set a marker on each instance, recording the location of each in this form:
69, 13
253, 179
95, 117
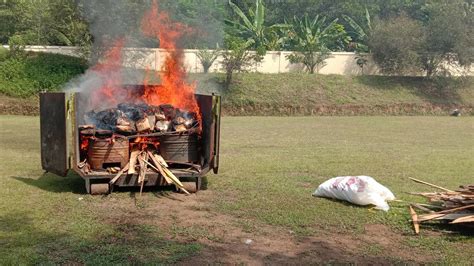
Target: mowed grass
47, 219
269, 168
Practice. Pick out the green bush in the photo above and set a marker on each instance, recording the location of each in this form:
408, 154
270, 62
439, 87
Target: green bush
3, 54
24, 77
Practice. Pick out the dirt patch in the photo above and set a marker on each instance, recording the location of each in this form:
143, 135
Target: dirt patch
189, 219
18, 106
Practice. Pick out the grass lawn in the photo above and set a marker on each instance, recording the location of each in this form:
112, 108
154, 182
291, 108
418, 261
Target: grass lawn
269, 168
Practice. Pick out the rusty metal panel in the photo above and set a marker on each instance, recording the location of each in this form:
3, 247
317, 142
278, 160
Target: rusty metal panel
216, 110
210, 110
53, 133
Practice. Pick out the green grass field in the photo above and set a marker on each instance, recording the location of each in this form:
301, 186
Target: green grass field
269, 168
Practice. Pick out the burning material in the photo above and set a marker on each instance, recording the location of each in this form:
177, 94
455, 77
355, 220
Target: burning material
128, 119
456, 207
129, 135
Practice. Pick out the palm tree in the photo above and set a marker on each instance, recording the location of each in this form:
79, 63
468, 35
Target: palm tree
311, 39
252, 28
361, 33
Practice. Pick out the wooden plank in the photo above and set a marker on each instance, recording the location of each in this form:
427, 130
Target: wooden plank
457, 209
116, 177
429, 184
133, 160
414, 218
431, 216
159, 168
465, 219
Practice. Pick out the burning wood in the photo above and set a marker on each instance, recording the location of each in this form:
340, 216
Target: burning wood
457, 206
128, 119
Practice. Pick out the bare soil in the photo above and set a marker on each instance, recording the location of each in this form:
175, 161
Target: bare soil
189, 219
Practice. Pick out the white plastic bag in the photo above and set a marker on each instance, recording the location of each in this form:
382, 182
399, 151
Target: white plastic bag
360, 190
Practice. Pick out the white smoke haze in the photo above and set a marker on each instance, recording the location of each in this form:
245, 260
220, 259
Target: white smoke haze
111, 20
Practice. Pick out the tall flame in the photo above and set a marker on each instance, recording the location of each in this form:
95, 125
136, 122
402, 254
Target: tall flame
174, 89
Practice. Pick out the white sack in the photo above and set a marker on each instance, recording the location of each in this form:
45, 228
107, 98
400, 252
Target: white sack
360, 190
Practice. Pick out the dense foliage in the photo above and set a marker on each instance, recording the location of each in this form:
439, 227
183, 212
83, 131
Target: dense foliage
34, 72
445, 27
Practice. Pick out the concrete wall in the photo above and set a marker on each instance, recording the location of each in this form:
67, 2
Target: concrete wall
342, 63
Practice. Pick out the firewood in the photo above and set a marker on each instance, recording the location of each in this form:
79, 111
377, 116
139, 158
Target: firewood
414, 218
180, 128
143, 157
126, 128
143, 125
161, 160
160, 116
458, 209
421, 207
133, 160
151, 121
117, 176
429, 184
465, 219
167, 173
157, 163
143, 168
162, 126
431, 216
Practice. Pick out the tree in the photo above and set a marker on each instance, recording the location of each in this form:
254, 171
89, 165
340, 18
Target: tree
47, 22
207, 58
236, 57
396, 44
449, 38
360, 32
252, 27
312, 40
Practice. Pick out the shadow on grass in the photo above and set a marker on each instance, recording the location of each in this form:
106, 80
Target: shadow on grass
58, 184
75, 184
25, 242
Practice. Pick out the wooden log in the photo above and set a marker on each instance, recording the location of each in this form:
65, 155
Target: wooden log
161, 160
414, 218
457, 209
429, 184
156, 162
143, 168
421, 207
171, 176
431, 216
465, 219
133, 161
143, 125
117, 176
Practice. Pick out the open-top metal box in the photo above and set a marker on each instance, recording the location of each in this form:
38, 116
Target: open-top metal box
61, 116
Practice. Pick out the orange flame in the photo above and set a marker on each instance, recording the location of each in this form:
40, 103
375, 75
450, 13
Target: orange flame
174, 89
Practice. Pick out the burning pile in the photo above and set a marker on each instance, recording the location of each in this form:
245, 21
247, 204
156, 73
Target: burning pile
135, 130
128, 118
457, 207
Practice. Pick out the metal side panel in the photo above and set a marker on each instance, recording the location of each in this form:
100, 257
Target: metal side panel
216, 111
54, 157
209, 120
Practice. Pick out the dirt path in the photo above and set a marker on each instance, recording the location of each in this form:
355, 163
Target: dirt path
190, 219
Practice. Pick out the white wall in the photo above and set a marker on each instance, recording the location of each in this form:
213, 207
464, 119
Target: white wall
343, 63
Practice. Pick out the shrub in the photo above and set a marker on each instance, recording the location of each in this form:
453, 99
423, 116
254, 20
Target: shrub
3, 54
396, 44
24, 77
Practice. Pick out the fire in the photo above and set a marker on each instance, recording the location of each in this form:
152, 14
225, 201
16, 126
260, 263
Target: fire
174, 89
